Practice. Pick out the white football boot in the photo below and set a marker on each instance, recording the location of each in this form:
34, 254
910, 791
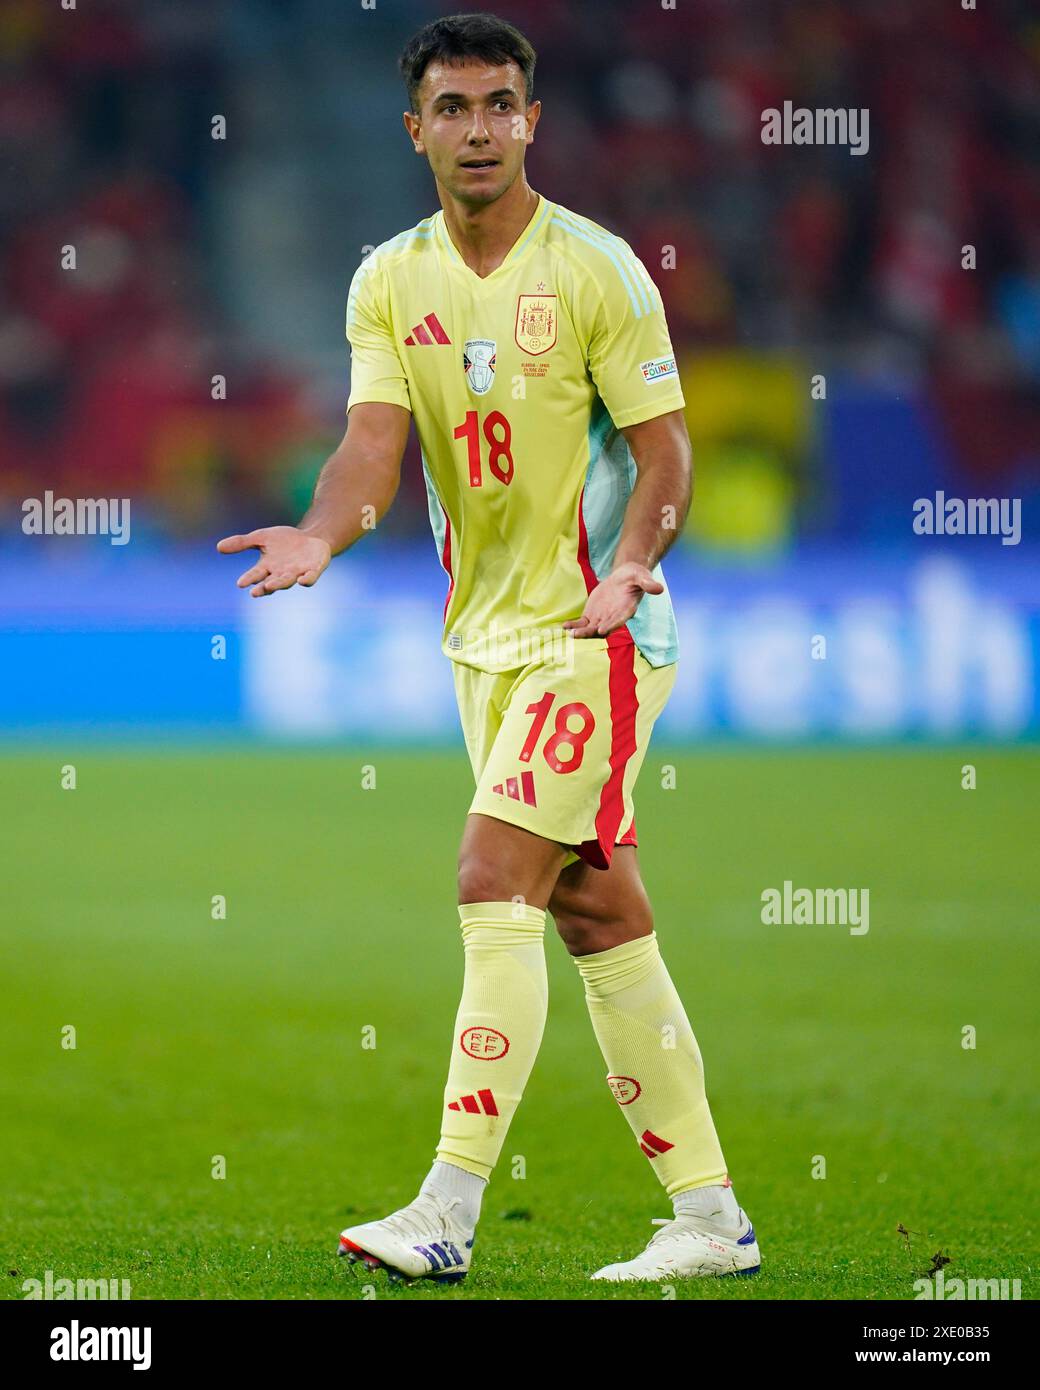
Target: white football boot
683, 1249
422, 1240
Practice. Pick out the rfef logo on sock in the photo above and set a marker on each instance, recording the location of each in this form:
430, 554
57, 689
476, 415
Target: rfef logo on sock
484, 1044
626, 1089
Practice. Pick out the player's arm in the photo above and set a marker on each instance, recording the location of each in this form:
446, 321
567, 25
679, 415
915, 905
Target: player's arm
654, 516
364, 472
361, 478
660, 500
632, 362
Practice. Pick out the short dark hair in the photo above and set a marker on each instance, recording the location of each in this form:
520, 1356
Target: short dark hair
461, 36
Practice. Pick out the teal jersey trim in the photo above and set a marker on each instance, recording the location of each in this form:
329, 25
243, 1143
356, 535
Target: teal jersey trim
438, 522
609, 480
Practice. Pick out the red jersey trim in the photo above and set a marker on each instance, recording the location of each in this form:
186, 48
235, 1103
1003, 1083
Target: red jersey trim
446, 563
587, 572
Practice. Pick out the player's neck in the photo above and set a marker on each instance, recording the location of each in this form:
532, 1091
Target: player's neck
484, 236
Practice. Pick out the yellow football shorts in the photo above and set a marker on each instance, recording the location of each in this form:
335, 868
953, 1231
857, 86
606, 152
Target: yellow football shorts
556, 745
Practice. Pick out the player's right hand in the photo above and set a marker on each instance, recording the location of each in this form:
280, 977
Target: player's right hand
288, 556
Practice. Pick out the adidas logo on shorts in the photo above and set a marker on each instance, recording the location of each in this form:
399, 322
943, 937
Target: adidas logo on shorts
512, 788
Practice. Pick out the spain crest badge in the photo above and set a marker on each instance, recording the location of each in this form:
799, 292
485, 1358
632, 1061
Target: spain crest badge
536, 323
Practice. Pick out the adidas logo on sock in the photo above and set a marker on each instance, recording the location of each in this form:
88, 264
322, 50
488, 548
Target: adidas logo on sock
482, 1103
653, 1146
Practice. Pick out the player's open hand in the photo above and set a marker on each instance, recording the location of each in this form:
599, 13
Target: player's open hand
614, 600
288, 556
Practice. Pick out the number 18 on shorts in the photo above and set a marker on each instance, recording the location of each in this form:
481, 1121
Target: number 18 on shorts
556, 746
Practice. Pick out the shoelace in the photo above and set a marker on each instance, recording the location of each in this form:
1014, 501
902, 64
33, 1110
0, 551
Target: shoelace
662, 1237
425, 1215
674, 1229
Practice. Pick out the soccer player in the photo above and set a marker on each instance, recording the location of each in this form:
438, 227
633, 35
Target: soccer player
530, 347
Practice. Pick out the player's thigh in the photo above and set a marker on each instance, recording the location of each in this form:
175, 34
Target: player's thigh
596, 909
573, 735
502, 862
498, 861
479, 696
551, 754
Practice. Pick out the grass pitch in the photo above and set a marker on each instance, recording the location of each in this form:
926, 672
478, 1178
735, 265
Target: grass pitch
242, 1037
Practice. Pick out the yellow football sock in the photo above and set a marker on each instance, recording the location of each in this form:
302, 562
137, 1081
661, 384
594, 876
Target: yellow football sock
498, 1030
655, 1068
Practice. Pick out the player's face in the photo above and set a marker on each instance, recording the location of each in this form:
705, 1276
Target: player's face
474, 126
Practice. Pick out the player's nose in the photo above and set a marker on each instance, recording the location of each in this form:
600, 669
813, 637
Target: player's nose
478, 134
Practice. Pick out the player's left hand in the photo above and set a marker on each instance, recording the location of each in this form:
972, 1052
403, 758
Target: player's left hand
614, 600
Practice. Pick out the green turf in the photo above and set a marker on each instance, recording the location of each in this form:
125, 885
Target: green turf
243, 1038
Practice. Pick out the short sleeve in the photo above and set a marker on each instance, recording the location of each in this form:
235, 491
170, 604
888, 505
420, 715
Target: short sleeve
376, 370
630, 353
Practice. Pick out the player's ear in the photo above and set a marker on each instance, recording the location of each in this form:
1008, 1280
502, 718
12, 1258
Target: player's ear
413, 125
533, 112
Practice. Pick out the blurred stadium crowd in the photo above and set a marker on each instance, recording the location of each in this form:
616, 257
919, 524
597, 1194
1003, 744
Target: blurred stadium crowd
198, 257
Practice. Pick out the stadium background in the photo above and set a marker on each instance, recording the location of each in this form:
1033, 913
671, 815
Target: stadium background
199, 257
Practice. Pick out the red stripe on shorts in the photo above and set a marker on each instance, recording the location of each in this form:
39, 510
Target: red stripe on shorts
623, 706
621, 653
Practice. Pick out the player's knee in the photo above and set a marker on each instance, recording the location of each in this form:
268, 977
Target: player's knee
578, 934
480, 880
586, 935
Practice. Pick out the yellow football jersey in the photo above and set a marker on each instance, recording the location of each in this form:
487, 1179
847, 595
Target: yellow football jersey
519, 384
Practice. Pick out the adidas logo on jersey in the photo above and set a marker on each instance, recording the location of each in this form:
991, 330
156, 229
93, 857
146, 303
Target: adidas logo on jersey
512, 788
483, 1103
429, 333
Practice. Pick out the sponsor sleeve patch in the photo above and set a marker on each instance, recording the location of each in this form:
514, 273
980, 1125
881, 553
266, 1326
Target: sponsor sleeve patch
658, 368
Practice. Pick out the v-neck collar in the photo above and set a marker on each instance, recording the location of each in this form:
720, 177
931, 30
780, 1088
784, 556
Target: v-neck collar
542, 211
